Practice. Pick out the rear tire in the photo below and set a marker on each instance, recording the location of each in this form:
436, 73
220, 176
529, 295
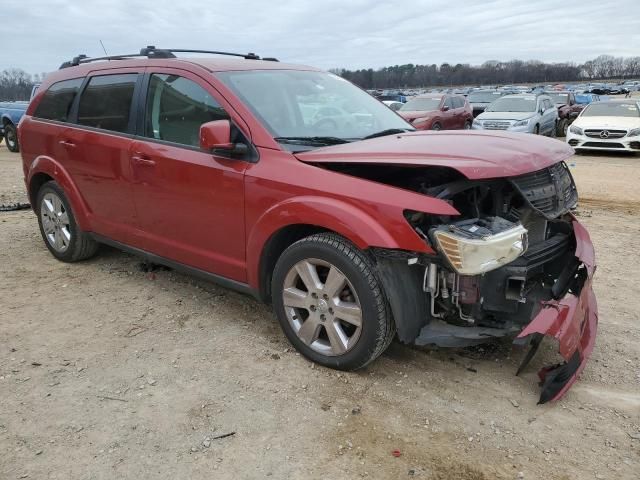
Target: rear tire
60, 232
11, 138
324, 284
467, 125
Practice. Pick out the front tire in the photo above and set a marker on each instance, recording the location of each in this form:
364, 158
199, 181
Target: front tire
60, 232
536, 130
563, 126
436, 126
330, 303
11, 138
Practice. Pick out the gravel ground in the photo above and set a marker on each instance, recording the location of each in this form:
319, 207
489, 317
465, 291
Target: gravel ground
110, 372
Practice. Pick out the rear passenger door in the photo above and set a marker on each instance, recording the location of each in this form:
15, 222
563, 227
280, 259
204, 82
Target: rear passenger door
190, 202
97, 150
458, 105
448, 117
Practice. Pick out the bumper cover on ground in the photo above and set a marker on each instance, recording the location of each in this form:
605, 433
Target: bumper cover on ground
573, 321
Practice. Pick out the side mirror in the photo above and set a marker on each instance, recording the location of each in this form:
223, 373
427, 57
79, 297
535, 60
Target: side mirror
216, 136
445, 108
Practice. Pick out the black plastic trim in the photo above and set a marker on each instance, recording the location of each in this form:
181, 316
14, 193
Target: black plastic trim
180, 267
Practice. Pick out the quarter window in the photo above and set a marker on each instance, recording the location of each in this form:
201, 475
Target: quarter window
106, 102
57, 100
177, 107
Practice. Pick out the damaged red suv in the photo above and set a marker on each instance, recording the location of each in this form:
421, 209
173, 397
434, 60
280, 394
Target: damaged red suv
357, 230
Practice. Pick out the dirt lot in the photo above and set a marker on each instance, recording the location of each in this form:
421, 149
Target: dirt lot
109, 372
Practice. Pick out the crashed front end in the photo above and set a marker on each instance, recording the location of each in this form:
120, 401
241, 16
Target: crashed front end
516, 262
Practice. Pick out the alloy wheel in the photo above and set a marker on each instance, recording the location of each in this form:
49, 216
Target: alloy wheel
55, 222
322, 307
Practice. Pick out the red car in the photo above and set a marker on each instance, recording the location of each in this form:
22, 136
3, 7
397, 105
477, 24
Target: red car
438, 112
356, 231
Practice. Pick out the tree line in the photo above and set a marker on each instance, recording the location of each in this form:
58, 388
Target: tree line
16, 84
494, 72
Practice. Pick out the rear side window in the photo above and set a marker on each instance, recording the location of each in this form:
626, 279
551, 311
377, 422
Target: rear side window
106, 102
448, 103
57, 100
177, 107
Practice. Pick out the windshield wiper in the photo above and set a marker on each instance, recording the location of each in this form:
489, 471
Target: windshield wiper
388, 131
312, 140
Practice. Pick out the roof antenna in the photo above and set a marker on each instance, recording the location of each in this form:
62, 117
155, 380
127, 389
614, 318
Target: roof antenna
105, 50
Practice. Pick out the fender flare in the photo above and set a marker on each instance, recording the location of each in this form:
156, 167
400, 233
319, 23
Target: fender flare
332, 214
49, 166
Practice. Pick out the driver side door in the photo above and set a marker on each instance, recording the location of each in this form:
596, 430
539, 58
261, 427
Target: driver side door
190, 203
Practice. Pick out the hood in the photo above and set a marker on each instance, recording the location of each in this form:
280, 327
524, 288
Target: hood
475, 154
505, 115
608, 122
411, 115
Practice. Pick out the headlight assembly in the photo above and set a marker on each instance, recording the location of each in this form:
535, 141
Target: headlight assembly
634, 132
522, 123
477, 246
576, 130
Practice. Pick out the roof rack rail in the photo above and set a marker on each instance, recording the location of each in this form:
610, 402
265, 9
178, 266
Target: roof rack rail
152, 52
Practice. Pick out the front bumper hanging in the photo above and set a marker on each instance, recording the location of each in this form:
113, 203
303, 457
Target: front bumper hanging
572, 320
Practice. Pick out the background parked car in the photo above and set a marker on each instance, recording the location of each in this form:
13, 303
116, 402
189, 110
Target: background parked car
393, 105
613, 125
587, 98
10, 115
568, 110
481, 99
527, 113
438, 112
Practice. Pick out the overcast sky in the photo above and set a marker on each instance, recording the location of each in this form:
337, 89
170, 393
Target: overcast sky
38, 35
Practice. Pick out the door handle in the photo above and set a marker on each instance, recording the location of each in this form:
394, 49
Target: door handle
142, 160
67, 143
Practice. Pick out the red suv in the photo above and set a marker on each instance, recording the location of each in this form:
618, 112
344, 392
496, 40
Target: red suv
357, 230
438, 112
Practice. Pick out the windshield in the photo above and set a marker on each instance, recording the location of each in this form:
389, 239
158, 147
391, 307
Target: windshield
292, 103
506, 104
421, 104
483, 97
559, 98
606, 109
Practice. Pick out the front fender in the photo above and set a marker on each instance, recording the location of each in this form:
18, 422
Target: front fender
332, 214
49, 166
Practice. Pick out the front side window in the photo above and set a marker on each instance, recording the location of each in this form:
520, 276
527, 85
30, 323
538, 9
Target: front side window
106, 102
57, 100
177, 107
458, 102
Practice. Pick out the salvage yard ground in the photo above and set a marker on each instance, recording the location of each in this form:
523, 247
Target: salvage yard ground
110, 372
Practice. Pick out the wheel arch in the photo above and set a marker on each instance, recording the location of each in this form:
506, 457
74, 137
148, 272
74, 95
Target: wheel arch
45, 169
296, 218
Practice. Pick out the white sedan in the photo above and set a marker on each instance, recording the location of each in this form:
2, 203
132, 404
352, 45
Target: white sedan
613, 125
